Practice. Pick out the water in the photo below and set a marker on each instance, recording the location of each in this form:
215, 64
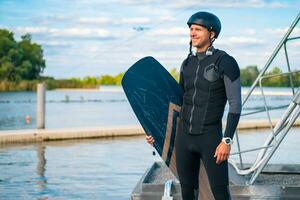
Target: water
99, 168
82, 169
106, 169
69, 109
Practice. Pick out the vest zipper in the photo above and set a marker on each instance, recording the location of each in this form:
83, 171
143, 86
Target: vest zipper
193, 99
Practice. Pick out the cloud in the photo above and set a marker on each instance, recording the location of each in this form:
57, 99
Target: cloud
180, 4
140, 2
240, 41
295, 44
174, 31
177, 41
93, 20
65, 32
281, 31
167, 18
51, 19
54, 43
248, 31
141, 20
105, 20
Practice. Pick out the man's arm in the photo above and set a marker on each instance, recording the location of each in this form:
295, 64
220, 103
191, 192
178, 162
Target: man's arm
233, 93
231, 76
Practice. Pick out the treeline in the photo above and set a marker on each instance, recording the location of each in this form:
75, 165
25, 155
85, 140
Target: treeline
248, 76
51, 83
250, 73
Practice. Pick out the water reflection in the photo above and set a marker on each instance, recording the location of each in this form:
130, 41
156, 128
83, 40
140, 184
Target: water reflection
74, 169
41, 166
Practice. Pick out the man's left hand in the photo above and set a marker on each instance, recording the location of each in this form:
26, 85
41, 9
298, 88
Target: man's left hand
222, 152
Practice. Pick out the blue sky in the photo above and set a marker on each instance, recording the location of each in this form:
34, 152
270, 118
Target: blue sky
93, 37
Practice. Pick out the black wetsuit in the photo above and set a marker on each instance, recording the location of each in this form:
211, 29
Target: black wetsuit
208, 82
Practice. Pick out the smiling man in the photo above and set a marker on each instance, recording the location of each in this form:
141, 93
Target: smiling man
208, 78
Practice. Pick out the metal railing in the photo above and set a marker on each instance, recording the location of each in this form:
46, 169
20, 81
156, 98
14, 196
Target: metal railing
285, 122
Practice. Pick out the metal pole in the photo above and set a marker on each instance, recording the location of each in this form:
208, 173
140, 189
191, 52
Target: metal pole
269, 156
294, 115
289, 68
40, 113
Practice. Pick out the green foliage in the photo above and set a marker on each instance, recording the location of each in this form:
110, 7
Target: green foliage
282, 80
175, 74
24, 85
21, 60
248, 75
111, 80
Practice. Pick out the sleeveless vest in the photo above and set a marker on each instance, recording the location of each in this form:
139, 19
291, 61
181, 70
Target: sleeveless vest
204, 96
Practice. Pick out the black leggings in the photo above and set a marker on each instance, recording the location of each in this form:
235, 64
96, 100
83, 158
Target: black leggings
189, 150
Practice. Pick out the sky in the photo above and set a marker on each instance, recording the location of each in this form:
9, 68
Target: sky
96, 37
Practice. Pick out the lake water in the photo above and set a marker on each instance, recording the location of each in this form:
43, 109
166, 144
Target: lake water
99, 168
105, 169
69, 109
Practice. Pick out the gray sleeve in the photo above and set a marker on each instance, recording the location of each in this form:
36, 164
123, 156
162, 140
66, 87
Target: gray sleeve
181, 79
233, 93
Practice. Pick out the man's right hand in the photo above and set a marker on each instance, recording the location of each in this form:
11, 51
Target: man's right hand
150, 140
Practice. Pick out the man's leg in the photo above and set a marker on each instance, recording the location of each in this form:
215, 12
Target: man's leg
188, 192
217, 173
188, 164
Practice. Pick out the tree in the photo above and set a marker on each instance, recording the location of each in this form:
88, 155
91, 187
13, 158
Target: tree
21, 60
248, 75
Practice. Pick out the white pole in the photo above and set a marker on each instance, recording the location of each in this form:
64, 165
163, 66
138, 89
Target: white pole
40, 113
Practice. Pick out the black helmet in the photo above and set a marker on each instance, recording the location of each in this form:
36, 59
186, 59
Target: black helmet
206, 19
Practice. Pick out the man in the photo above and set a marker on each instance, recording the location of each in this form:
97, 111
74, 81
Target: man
208, 78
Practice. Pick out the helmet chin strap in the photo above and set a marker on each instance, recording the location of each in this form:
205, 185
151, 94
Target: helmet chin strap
209, 49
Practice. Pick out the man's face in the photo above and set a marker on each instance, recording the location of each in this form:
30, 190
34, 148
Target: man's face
199, 36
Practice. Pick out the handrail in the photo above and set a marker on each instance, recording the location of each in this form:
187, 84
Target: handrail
284, 121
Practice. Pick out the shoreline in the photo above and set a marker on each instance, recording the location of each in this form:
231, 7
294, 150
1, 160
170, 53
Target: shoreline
119, 89
101, 89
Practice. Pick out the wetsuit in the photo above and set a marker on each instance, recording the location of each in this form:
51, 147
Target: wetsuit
208, 82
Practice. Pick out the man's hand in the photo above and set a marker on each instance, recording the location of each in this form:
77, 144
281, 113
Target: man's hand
150, 140
222, 152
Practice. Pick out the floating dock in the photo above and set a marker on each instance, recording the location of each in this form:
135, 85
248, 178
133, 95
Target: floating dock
39, 135
276, 182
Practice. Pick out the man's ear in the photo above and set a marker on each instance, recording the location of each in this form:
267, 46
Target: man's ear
212, 35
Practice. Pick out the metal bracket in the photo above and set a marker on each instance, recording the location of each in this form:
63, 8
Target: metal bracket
167, 191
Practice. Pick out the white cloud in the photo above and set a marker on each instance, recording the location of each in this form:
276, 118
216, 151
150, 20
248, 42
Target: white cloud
167, 18
137, 20
105, 20
281, 31
65, 32
82, 32
240, 40
183, 4
228, 4
54, 43
175, 41
295, 44
93, 20
140, 2
175, 31
248, 31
